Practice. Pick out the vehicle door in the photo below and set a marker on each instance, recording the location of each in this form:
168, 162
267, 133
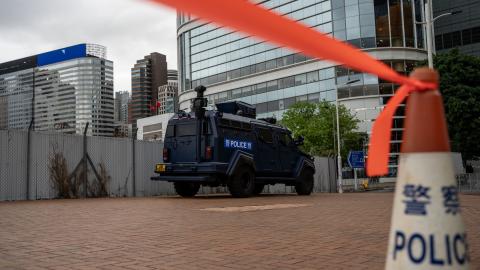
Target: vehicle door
266, 154
184, 141
288, 153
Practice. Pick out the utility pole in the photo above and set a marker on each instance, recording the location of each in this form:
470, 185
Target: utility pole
339, 154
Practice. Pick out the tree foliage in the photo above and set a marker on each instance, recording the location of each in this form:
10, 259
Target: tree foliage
316, 122
460, 88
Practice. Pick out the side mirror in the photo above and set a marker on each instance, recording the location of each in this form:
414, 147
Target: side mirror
299, 140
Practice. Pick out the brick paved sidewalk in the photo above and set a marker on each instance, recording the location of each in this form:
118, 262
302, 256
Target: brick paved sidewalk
323, 231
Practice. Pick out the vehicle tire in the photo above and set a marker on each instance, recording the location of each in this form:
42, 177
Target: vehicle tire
186, 189
242, 182
258, 189
304, 185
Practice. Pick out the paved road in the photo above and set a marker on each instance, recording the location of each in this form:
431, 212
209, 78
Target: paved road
323, 231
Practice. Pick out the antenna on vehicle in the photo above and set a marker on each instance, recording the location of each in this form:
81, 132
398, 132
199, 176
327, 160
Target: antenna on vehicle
199, 104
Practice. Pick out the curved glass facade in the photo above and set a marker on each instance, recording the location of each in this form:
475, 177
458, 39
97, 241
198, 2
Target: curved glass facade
209, 54
16, 93
235, 66
70, 94
63, 89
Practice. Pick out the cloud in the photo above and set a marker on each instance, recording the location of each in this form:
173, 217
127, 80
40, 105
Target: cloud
130, 29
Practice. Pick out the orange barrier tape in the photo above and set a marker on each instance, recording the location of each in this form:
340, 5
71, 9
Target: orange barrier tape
247, 17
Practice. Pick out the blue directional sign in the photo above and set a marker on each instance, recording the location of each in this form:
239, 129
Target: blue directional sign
356, 159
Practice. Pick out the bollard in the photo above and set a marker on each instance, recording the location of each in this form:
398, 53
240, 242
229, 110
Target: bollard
427, 230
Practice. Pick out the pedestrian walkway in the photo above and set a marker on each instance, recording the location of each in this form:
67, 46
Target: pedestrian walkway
322, 231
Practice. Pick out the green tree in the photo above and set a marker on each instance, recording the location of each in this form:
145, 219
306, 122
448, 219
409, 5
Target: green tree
316, 122
460, 88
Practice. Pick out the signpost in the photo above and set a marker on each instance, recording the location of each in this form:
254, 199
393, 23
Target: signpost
356, 160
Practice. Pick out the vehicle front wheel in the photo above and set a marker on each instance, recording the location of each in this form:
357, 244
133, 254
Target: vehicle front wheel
186, 189
304, 185
242, 183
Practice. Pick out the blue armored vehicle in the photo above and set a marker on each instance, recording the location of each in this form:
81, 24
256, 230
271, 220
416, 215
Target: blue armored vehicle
229, 147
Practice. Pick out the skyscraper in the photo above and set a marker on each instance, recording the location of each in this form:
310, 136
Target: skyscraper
63, 89
122, 128
147, 75
122, 99
235, 66
167, 94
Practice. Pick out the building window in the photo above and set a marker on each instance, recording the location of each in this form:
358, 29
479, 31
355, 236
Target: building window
396, 23
408, 23
382, 25
457, 38
272, 86
419, 18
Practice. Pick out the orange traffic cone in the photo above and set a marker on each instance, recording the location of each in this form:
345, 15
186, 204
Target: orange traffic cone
427, 230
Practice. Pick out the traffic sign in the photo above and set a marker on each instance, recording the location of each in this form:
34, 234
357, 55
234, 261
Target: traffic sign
356, 159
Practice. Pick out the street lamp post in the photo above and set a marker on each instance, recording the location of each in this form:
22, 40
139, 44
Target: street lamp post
339, 154
429, 25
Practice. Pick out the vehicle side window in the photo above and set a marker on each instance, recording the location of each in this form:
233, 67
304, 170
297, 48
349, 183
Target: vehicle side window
247, 126
285, 139
236, 124
224, 122
265, 135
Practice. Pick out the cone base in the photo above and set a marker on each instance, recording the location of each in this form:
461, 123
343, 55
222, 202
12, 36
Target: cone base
427, 230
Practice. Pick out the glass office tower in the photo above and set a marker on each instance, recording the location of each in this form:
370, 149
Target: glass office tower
461, 30
234, 66
64, 90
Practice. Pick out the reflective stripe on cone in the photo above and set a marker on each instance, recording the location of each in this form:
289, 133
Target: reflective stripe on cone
427, 230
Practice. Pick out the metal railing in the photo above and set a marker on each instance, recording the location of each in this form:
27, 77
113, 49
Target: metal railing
468, 182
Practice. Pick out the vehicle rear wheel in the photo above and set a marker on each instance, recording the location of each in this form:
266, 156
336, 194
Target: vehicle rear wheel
258, 189
186, 189
304, 185
242, 183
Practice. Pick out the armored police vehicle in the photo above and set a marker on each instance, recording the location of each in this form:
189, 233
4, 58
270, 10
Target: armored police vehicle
229, 147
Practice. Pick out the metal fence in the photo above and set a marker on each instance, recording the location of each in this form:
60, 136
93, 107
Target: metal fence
25, 158
469, 182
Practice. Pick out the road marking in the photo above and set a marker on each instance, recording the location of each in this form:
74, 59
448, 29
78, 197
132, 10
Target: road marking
253, 208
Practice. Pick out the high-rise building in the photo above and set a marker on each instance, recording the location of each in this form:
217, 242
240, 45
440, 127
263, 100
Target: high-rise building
122, 128
235, 66
16, 92
172, 75
167, 94
122, 99
147, 75
460, 30
63, 89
